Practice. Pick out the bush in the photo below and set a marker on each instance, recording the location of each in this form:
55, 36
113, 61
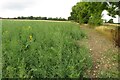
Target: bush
95, 20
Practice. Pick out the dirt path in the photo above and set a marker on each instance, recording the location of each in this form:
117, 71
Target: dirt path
103, 53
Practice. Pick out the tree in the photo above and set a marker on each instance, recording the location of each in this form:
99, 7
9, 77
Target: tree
114, 9
43, 18
90, 12
31, 17
18, 17
87, 12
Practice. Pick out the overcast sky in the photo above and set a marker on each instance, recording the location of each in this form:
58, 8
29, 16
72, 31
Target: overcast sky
47, 8
44, 8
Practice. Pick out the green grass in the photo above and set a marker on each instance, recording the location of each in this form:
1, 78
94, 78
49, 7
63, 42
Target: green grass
38, 49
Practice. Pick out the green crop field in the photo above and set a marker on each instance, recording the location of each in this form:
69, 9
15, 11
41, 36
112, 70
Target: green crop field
40, 49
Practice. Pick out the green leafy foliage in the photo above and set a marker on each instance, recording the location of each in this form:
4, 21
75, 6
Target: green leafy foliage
114, 9
38, 49
90, 12
87, 12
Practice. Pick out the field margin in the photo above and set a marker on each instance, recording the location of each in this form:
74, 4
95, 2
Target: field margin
0, 48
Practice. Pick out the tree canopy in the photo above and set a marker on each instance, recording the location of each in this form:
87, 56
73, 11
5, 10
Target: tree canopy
114, 9
90, 12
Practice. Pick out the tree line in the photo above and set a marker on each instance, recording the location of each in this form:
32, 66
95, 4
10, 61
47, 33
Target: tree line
90, 12
38, 18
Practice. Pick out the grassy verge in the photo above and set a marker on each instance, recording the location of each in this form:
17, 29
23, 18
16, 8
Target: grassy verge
111, 66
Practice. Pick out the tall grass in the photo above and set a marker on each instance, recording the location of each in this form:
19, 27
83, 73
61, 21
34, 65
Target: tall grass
36, 49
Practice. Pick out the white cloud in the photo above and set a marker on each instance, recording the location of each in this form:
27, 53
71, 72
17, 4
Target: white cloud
48, 8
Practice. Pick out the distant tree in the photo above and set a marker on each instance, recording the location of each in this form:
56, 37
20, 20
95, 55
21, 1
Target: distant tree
18, 18
22, 17
44, 18
14, 18
40, 18
49, 18
30, 17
